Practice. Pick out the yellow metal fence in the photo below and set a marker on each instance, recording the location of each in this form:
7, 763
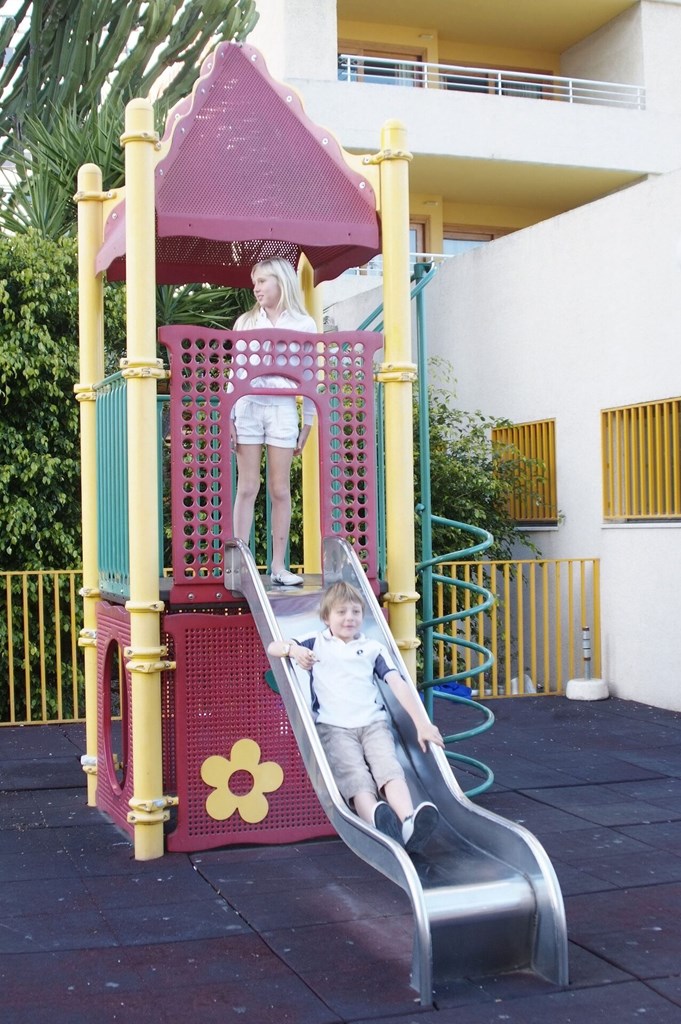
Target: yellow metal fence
41, 676
534, 632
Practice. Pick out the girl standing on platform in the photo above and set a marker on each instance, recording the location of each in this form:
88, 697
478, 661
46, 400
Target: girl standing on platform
270, 420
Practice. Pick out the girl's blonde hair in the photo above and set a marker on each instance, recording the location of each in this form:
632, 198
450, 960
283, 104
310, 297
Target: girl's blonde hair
285, 276
339, 593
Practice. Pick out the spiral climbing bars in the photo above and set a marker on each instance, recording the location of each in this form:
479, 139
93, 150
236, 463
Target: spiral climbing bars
423, 275
485, 599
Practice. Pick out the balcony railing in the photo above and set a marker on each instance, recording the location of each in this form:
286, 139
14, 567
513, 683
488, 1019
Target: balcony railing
462, 78
374, 268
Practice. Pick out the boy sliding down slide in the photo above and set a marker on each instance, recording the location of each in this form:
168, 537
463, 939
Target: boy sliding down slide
352, 722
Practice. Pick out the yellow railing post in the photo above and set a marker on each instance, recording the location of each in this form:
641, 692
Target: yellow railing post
141, 369
91, 335
312, 543
398, 373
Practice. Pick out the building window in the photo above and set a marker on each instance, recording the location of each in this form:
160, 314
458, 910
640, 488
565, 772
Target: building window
642, 461
531, 451
380, 66
472, 80
503, 82
417, 236
456, 241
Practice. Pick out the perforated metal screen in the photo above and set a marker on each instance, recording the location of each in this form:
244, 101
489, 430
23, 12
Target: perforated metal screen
114, 739
244, 175
209, 372
115, 763
222, 699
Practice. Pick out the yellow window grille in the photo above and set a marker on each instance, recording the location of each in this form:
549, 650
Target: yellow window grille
642, 461
532, 447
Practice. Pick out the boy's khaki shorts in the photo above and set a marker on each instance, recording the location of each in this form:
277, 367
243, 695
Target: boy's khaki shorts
362, 760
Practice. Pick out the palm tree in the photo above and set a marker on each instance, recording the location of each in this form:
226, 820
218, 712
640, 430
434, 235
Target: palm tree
81, 56
69, 70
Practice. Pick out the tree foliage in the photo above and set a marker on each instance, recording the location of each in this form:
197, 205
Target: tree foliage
71, 71
471, 479
39, 464
40, 181
60, 54
203, 305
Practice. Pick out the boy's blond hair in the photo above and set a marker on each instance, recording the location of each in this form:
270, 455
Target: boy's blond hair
339, 593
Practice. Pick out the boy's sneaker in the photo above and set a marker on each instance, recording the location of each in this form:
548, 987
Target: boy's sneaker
387, 822
419, 826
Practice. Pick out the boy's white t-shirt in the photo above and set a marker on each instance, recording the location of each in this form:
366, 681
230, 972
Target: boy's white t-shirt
344, 692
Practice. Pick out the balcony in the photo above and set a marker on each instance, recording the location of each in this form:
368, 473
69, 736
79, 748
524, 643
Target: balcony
494, 81
374, 268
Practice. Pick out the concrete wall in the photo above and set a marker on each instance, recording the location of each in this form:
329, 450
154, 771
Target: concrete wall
497, 127
345, 307
565, 318
298, 38
661, 47
562, 320
612, 54
639, 47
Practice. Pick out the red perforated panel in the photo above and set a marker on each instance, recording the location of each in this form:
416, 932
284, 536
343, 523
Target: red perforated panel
209, 372
115, 767
222, 698
114, 784
168, 717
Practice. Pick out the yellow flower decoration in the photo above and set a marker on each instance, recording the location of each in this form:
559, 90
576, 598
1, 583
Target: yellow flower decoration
216, 771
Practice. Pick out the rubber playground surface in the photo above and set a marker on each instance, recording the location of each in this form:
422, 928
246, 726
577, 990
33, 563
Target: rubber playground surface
309, 934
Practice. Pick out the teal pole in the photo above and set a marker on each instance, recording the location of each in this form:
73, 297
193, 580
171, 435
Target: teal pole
425, 504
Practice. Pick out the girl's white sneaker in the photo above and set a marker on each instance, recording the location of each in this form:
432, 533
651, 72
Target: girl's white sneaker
287, 579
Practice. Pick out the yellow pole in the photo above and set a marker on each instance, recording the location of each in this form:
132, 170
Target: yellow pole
91, 334
141, 369
312, 544
398, 373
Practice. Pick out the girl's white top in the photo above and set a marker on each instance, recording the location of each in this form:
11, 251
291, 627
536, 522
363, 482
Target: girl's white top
289, 321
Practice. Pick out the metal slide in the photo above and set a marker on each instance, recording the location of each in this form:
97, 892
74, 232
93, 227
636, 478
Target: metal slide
484, 894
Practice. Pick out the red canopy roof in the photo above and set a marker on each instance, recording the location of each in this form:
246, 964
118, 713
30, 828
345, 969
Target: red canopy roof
248, 176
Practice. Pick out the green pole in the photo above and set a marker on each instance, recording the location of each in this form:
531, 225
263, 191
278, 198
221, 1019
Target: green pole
424, 506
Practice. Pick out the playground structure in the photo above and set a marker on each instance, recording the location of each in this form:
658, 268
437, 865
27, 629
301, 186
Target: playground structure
241, 174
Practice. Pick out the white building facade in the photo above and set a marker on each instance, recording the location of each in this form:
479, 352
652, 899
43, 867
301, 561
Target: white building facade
564, 299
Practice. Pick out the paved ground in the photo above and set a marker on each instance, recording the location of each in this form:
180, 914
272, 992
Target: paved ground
309, 934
